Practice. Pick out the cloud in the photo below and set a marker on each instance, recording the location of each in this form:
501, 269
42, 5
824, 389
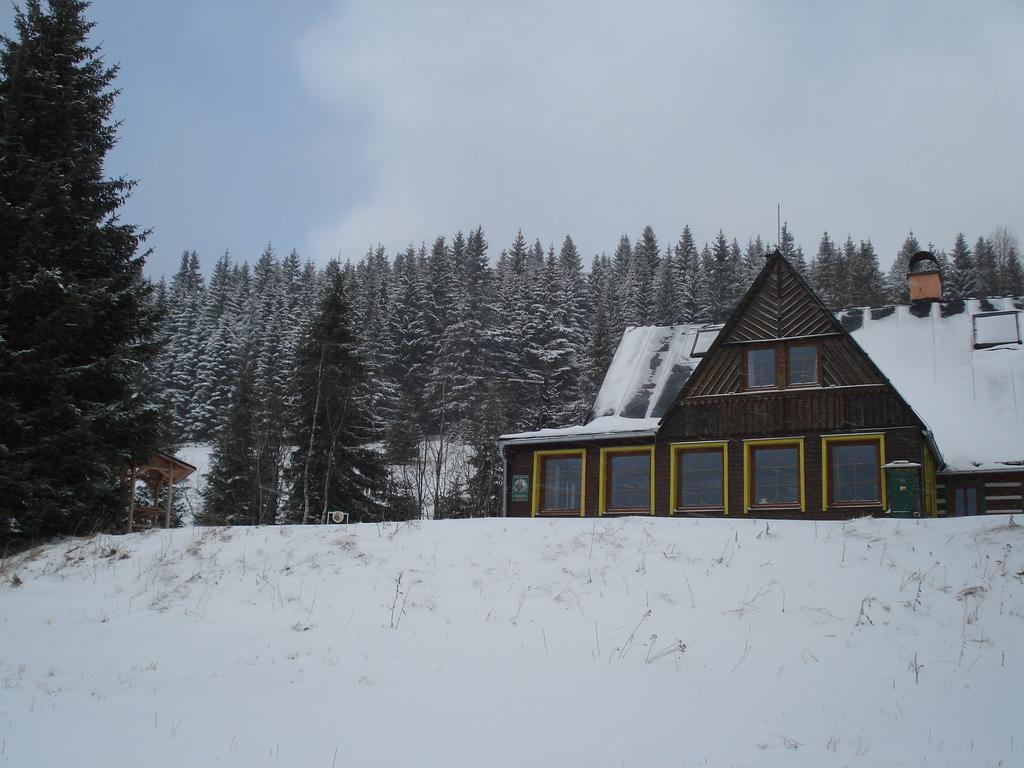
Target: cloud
597, 118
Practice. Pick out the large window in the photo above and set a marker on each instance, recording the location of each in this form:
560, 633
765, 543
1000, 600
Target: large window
774, 473
558, 481
627, 480
852, 470
700, 477
782, 365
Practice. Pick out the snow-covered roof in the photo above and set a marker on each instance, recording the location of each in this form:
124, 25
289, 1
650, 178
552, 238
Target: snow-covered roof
960, 367
649, 368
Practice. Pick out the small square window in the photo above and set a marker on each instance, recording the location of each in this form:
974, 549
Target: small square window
802, 365
994, 328
703, 340
761, 367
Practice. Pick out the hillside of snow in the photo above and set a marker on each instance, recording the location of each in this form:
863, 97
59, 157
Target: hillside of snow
620, 642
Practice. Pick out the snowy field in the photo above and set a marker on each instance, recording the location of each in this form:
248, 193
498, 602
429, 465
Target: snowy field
630, 642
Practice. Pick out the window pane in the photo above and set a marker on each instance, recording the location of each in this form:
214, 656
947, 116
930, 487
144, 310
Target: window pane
803, 365
855, 473
777, 475
562, 482
700, 474
630, 481
761, 368
965, 501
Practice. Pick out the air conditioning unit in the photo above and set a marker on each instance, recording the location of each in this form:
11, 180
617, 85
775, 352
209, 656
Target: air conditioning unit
338, 517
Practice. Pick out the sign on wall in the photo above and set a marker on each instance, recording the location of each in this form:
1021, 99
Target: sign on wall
520, 487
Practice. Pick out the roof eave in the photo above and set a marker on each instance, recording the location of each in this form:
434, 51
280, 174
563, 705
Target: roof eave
578, 437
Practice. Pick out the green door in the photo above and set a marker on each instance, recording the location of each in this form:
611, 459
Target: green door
903, 491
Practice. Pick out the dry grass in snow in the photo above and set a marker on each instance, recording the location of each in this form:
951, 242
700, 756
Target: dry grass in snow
620, 642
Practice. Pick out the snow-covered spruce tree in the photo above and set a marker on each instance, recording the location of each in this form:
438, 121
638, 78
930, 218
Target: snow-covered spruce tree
794, 253
601, 338
1008, 256
752, 262
235, 486
75, 323
865, 283
989, 279
183, 331
828, 273
960, 279
688, 278
332, 468
666, 304
898, 288
721, 265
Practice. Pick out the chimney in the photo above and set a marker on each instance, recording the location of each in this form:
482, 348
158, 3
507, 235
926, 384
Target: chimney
926, 283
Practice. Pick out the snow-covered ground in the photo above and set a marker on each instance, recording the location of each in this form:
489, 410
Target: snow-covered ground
629, 642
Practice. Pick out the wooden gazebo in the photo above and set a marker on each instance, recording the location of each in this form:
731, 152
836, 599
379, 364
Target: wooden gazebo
161, 468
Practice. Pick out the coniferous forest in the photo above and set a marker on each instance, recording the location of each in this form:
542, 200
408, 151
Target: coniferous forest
414, 359
376, 386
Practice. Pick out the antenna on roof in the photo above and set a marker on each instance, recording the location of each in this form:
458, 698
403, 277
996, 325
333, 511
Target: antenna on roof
778, 223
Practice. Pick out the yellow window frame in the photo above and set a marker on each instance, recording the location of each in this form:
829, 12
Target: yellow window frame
748, 445
602, 493
864, 437
539, 456
675, 449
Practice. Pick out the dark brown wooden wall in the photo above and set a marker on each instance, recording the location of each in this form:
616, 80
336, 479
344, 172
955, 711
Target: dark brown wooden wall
780, 412
905, 443
999, 492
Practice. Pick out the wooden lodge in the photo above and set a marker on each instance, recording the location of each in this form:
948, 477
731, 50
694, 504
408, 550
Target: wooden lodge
791, 411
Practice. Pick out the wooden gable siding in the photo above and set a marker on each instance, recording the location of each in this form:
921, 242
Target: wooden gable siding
779, 412
842, 365
781, 309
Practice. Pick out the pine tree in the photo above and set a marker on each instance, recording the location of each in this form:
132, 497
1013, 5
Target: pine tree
721, 267
688, 278
235, 493
665, 301
828, 273
989, 281
753, 261
332, 468
899, 291
1008, 256
960, 279
866, 286
77, 325
794, 253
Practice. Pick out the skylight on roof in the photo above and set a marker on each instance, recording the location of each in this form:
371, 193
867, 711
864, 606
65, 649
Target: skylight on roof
993, 328
703, 341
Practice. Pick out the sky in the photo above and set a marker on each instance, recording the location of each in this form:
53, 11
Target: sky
330, 127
